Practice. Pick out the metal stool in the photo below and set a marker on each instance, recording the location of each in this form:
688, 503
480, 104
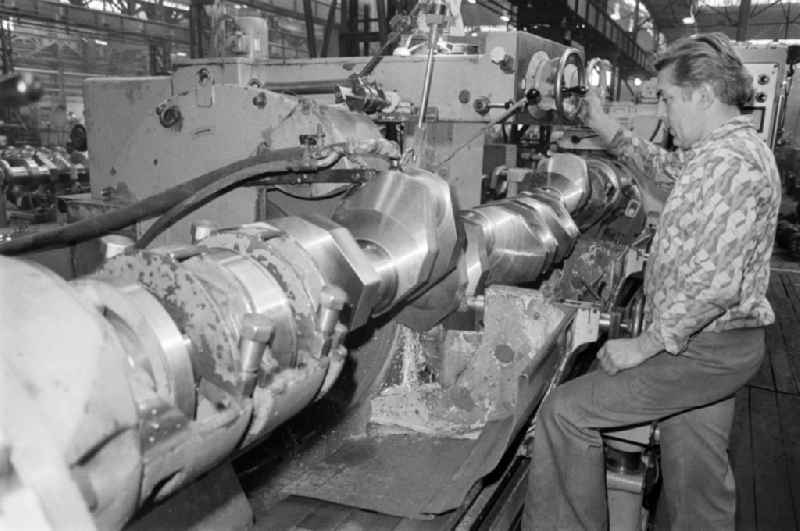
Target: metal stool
627, 463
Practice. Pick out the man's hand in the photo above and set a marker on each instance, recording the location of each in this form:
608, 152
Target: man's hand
620, 354
592, 114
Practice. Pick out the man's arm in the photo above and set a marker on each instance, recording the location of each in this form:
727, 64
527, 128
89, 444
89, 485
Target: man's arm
732, 224
734, 213
620, 354
651, 160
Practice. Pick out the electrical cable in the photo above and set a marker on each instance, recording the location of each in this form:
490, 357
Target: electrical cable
516, 106
658, 128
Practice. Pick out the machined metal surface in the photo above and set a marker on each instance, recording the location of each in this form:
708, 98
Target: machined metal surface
264, 296
516, 240
162, 350
566, 174
254, 338
476, 255
518, 244
294, 372
409, 215
340, 260
380, 260
606, 193
555, 214
292, 269
189, 296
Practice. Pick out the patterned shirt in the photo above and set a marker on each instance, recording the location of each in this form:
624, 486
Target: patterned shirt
708, 268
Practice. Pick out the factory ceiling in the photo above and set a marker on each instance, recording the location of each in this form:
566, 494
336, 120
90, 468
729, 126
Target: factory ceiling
739, 19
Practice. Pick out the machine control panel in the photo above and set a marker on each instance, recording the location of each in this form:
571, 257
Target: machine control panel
767, 65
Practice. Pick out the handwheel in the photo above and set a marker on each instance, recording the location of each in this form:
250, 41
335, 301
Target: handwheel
570, 84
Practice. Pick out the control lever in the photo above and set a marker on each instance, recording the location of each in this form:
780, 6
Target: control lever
578, 90
436, 19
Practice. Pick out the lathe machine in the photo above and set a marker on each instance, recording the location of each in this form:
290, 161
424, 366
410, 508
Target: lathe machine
408, 275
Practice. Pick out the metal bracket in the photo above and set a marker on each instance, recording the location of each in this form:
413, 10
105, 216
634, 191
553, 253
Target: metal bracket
585, 327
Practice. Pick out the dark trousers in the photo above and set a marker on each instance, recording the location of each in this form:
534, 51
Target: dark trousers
691, 395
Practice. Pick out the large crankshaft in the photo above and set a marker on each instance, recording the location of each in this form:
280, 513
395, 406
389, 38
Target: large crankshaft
166, 361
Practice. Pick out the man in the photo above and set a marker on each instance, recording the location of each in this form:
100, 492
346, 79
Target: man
706, 307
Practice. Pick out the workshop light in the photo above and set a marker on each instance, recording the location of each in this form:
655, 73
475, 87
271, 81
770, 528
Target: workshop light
505, 18
471, 1
690, 19
176, 5
101, 43
637, 82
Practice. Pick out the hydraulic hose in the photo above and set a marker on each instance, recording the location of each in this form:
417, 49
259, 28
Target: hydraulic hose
151, 206
308, 161
180, 200
227, 183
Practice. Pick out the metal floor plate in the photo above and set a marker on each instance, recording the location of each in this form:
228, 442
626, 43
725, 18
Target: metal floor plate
426, 475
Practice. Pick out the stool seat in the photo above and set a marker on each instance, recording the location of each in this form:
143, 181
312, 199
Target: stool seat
631, 439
